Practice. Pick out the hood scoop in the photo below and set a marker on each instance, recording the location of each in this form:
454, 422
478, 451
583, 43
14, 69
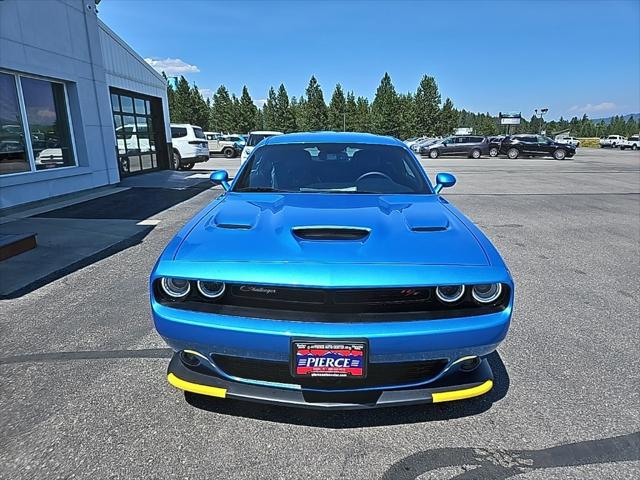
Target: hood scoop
330, 233
420, 219
236, 216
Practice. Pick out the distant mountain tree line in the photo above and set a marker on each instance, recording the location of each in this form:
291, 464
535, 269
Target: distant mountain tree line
401, 115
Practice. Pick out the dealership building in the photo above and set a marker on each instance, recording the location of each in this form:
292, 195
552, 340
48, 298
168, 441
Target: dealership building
79, 108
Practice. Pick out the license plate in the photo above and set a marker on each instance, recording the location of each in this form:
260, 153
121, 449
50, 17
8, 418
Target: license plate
329, 359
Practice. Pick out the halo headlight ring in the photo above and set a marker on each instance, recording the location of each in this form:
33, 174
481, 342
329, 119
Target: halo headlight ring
490, 296
446, 296
206, 290
175, 287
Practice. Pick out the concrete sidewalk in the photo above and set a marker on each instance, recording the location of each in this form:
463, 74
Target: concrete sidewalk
80, 230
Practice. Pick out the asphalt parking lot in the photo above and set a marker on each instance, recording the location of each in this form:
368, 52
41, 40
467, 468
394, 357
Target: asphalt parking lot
83, 392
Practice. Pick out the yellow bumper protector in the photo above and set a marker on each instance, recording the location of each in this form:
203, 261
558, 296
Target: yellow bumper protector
196, 387
462, 394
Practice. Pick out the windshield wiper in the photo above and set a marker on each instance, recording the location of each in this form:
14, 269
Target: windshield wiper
259, 189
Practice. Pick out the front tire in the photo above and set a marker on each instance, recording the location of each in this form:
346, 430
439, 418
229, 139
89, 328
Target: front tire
634, 147
229, 152
513, 153
475, 153
434, 153
493, 152
560, 154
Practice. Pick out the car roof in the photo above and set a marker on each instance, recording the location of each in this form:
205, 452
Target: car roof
265, 132
333, 137
184, 125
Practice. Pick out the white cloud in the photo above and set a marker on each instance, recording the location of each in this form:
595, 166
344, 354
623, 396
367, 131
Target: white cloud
598, 107
172, 66
260, 102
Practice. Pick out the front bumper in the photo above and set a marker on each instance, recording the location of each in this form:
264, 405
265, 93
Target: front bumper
458, 385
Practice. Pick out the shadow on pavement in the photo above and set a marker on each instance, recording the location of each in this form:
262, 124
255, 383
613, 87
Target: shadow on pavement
362, 418
492, 463
75, 236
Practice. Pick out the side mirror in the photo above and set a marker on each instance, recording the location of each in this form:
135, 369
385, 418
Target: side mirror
221, 177
444, 180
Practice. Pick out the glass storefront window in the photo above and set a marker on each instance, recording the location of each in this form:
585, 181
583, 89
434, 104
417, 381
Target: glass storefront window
134, 132
126, 103
13, 152
139, 103
35, 130
46, 108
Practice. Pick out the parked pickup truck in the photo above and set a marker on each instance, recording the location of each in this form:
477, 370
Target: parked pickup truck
566, 139
633, 142
224, 143
612, 141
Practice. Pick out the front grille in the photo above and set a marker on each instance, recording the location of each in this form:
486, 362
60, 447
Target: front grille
337, 305
378, 374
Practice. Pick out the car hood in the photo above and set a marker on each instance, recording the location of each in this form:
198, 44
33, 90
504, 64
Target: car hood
332, 228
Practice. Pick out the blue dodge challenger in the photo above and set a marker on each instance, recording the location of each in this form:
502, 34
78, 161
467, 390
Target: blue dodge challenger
331, 274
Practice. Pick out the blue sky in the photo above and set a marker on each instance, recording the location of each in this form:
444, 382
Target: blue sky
573, 57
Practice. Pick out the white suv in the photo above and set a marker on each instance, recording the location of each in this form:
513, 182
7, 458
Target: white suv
189, 146
254, 139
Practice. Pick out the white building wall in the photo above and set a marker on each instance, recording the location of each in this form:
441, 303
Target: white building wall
65, 40
127, 70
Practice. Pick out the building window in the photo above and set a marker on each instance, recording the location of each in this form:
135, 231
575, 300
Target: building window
35, 132
135, 134
13, 151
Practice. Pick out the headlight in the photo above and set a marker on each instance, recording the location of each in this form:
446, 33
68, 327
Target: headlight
450, 293
486, 293
211, 289
175, 287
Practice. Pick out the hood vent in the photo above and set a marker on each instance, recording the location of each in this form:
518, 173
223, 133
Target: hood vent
435, 228
234, 226
331, 233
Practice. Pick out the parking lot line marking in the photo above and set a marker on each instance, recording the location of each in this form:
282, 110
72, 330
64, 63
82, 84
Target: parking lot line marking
149, 221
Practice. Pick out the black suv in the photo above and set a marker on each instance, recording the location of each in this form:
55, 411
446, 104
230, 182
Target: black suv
531, 145
469, 145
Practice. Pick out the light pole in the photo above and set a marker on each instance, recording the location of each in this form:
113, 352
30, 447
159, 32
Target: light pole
542, 112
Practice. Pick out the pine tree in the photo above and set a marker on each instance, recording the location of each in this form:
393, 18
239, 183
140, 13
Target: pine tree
235, 117
351, 113
198, 109
427, 107
270, 111
385, 109
315, 111
363, 115
300, 113
182, 102
337, 110
247, 111
448, 118
285, 120
258, 122
221, 118
407, 119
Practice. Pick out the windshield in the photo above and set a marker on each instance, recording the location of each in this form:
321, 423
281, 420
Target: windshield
332, 167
